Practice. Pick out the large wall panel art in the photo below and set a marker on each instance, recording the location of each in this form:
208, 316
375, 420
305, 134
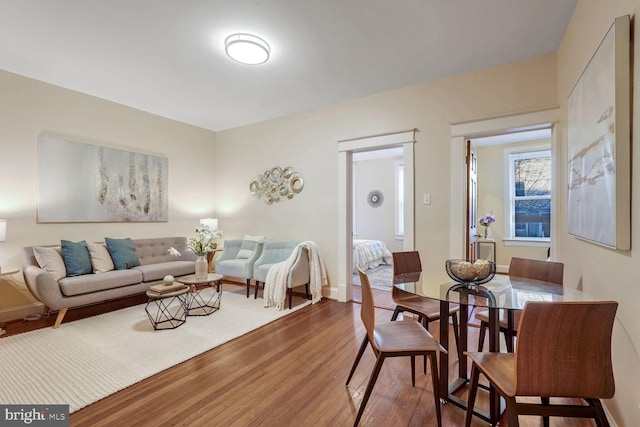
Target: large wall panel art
599, 165
87, 183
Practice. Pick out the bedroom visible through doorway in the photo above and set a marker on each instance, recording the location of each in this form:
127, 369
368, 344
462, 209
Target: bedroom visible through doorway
346, 150
378, 213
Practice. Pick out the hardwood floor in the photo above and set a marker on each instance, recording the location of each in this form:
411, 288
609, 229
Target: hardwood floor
291, 372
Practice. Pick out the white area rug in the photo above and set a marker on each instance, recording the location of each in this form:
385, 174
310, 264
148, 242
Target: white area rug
87, 360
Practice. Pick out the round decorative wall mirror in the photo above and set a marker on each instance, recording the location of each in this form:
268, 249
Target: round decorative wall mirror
375, 198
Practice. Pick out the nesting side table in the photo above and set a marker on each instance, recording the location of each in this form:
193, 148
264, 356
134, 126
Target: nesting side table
204, 294
167, 311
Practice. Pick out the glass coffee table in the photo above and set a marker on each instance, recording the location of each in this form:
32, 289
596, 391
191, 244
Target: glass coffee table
204, 294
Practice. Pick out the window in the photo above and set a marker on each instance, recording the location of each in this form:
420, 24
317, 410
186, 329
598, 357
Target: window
399, 214
529, 194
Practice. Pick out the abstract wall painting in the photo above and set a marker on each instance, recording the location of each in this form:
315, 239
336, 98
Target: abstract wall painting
599, 132
87, 183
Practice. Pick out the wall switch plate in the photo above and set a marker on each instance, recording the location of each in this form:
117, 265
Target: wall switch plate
427, 199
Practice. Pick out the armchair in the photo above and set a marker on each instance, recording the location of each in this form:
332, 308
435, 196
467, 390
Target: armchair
276, 252
228, 263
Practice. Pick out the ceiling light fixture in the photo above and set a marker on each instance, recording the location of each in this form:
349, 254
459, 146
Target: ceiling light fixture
247, 49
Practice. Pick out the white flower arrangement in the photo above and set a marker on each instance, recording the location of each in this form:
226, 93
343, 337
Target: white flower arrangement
204, 242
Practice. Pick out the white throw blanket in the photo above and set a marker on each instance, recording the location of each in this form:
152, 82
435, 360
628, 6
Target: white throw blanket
275, 286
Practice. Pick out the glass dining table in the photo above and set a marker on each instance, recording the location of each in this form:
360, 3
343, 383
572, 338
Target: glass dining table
502, 292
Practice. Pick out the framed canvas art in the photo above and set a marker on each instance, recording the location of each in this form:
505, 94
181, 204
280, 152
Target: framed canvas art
599, 163
87, 183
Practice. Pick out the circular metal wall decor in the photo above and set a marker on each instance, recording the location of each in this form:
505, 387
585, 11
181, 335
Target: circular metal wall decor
375, 198
276, 184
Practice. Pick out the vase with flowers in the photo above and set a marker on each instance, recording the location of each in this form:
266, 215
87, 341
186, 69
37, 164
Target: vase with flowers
486, 222
201, 245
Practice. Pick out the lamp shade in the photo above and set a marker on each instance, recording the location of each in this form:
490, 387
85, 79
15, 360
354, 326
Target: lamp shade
212, 223
3, 230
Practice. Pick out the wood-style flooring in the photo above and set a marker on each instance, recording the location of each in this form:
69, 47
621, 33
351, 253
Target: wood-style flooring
291, 372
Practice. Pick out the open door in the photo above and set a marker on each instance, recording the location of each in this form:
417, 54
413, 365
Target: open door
472, 200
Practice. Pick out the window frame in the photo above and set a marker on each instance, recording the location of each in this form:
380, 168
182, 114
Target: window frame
536, 150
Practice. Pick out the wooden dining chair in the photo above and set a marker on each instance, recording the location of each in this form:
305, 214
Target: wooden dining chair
395, 339
563, 350
547, 271
427, 310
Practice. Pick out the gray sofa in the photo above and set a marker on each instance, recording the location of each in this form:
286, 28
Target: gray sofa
76, 291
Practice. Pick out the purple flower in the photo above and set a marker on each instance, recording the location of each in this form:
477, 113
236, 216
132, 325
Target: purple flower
487, 220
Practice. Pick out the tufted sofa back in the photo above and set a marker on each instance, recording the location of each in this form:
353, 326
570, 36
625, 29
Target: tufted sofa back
153, 251
150, 251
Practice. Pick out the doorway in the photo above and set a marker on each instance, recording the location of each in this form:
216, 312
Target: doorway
513, 195
346, 149
378, 213
460, 133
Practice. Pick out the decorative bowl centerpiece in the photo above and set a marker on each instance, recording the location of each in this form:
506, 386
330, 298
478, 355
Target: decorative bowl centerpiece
470, 273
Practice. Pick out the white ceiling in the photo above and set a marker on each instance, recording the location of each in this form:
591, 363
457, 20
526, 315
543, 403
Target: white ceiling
167, 56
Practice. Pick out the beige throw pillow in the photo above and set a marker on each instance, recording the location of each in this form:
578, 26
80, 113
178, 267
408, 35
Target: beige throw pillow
50, 259
100, 258
249, 245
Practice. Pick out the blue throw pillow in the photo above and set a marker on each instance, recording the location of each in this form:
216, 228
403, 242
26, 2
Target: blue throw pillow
76, 258
123, 253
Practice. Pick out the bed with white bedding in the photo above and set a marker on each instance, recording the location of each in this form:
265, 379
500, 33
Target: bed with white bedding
370, 254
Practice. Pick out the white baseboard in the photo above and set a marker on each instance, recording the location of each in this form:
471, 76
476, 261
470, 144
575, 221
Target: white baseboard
15, 313
332, 294
609, 417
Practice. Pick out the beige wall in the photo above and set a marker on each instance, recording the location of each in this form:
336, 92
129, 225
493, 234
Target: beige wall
308, 142
491, 199
29, 108
206, 180
603, 273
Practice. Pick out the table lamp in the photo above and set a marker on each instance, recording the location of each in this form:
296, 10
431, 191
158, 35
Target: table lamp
212, 223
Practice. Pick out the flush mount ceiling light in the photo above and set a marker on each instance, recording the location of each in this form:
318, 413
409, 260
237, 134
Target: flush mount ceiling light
247, 49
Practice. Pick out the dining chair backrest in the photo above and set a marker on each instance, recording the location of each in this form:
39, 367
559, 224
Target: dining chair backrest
564, 350
406, 262
367, 308
547, 271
